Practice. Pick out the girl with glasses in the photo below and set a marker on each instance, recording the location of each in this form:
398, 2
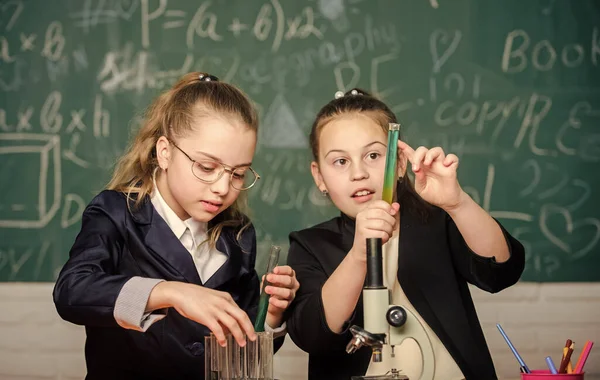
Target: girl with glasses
166, 253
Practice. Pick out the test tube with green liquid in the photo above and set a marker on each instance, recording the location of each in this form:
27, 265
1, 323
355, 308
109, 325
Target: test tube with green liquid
263, 302
391, 173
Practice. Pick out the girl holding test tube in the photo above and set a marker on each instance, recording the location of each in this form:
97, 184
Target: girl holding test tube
166, 255
436, 239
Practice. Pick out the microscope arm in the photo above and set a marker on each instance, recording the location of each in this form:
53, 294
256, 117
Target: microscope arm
412, 328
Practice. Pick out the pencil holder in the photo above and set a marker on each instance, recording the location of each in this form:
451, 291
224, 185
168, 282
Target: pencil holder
538, 374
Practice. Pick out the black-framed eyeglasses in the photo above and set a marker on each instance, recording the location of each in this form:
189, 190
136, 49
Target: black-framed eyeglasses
210, 171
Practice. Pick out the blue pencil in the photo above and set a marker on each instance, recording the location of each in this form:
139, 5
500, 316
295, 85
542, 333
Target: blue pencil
551, 365
524, 367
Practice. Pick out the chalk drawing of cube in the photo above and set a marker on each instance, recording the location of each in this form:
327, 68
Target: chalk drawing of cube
30, 179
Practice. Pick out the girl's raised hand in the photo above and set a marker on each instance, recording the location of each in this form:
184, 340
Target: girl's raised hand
435, 175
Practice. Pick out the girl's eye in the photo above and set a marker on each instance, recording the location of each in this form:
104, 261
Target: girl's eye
340, 162
206, 168
374, 155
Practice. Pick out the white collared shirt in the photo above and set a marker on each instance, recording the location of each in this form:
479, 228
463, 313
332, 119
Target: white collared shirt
129, 311
207, 260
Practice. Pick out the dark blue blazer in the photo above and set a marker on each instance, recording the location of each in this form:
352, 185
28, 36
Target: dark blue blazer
115, 244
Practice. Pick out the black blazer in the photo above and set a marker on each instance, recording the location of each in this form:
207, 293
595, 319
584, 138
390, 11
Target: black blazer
115, 244
434, 267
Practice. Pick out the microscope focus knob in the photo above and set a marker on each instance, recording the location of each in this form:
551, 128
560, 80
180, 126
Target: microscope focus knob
396, 316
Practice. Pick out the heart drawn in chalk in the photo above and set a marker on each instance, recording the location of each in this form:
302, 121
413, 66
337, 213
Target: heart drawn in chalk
440, 42
570, 229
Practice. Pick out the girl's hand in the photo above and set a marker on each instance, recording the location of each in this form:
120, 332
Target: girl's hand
211, 308
282, 288
435, 175
376, 221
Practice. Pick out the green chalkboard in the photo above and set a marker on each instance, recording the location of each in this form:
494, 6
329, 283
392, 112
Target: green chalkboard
512, 87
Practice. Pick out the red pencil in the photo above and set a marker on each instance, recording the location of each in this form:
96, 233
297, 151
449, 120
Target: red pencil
583, 357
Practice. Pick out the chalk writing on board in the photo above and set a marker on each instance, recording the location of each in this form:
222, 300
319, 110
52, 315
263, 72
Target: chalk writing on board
442, 46
47, 148
51, 119
581, 191
93, 14
454, 84
222, 60
271, 23
519, 52
487, 199
39, 149
27, 42
176, 19
280, 71
538, 141
12, 259
126, 70
347, 74
568, 228
5, 55
204, 25
536, 261
580, 113
71, 154
54, 42
575, 238
10, 10
496, 120
72, 210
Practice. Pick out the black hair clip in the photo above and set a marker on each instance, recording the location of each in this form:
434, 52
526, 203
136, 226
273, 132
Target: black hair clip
341, 94
207, 78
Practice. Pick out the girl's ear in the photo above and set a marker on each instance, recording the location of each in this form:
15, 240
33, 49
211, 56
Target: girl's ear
317, 177
163, 152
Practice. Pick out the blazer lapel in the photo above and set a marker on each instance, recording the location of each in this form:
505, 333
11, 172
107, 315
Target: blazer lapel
161, 240
233, 267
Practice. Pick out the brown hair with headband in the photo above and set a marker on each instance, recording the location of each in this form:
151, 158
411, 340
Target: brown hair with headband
359, 101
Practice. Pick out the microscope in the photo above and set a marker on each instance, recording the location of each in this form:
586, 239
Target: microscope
385, 323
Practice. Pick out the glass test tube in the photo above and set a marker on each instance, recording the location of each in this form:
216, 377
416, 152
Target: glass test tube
391, 172
263, 303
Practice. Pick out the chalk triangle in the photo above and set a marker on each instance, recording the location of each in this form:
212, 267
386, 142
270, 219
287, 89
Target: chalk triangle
280, 129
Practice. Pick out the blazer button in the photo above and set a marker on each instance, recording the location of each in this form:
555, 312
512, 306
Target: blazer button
196, 348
